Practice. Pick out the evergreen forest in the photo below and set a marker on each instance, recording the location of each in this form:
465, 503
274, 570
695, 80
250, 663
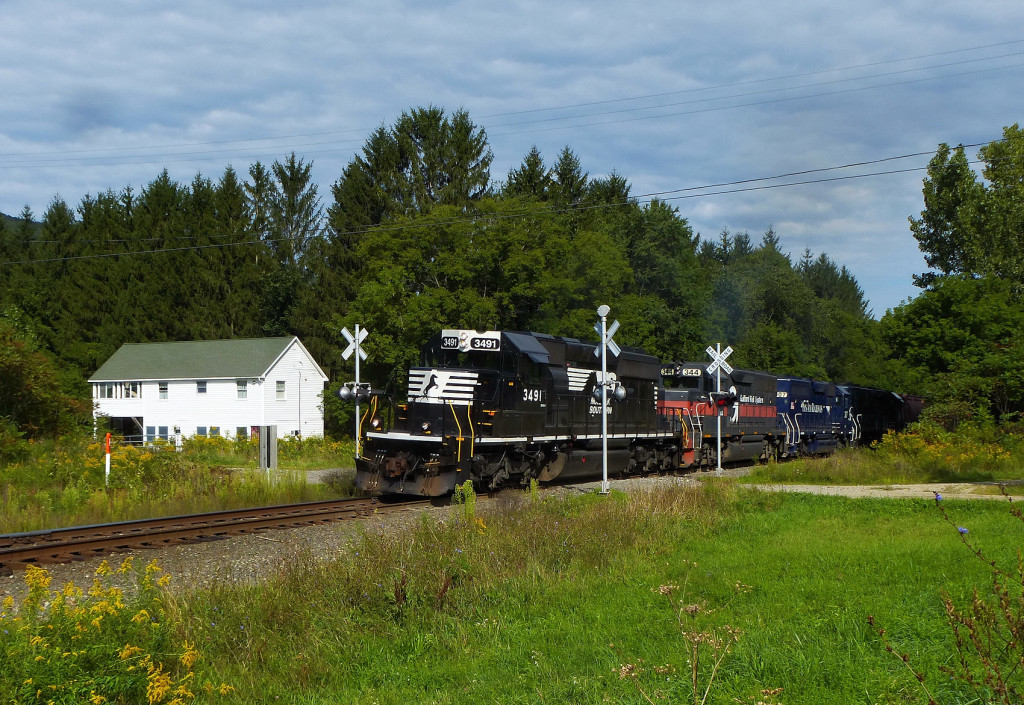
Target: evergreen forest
416, 234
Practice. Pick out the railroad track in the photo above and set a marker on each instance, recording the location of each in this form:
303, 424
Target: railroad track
83, 542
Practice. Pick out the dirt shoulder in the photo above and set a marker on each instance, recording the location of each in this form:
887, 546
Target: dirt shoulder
960, 490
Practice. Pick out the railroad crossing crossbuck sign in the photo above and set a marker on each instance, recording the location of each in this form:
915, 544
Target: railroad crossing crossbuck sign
354, 342
718, 360
613, 347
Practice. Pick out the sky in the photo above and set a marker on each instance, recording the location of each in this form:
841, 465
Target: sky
682, 98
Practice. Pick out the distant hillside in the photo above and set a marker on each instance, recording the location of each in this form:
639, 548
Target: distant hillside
10, 221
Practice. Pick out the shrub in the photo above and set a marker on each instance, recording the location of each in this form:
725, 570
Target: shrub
97, 645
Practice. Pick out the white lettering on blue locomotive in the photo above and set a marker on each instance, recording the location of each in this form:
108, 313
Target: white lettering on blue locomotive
811, 408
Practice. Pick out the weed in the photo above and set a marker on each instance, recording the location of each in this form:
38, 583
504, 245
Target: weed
97, 645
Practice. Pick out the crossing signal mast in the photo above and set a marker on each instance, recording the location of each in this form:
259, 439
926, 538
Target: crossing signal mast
721, 399
355, 390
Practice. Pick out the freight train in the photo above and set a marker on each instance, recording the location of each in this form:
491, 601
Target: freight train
503, 408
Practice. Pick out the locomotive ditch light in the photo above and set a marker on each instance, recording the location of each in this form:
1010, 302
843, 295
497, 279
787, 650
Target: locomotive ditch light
425, 427
375, 423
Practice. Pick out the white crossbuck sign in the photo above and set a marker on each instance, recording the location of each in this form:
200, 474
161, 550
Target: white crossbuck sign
613, 347
354, 342
718, 360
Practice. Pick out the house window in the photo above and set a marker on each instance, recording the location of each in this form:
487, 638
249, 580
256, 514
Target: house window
150, 434
163, 390
106, 390
214, 431
132, 390
200, 430
280, 390
243, 389
200, 387
162, 432
242, 432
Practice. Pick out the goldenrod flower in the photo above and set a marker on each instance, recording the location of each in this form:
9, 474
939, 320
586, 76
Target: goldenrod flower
104, 569
96, 699
190, 656
158, 684
141, 616
128, 651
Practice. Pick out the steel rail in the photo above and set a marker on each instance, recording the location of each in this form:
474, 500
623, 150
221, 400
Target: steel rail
83, 542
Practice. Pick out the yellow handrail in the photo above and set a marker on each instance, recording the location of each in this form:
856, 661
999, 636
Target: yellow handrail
456, 417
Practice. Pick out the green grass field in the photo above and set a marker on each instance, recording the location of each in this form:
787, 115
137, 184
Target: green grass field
548, 604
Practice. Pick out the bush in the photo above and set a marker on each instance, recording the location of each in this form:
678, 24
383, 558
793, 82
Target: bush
97, 645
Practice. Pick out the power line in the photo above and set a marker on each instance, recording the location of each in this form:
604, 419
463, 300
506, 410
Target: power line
207, 155
753, 82
743, 184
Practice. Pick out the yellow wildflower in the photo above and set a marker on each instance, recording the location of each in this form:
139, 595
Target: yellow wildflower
96, 699
190, 656
128, 651
225, 688
126, 565
96, 622
141, 616
158, 684
8, 603
36, 577
163, 581
104, 569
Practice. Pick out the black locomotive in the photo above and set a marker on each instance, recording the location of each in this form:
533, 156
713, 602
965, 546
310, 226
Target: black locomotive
502, 408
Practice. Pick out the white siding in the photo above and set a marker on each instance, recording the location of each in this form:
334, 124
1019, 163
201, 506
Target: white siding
303, 383
220, 406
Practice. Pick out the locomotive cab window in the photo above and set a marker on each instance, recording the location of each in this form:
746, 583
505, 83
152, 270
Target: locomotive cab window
684, 382
456, 359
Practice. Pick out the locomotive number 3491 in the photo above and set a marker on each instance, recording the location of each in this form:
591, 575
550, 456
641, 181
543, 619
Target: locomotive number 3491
533, 395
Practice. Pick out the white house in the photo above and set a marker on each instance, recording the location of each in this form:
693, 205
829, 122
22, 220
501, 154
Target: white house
215, 387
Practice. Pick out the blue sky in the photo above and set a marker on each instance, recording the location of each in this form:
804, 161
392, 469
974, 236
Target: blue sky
672, 95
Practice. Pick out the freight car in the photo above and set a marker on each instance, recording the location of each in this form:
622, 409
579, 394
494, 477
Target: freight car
502, 408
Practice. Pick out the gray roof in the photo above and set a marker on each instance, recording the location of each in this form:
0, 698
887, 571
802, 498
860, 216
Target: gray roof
194, 359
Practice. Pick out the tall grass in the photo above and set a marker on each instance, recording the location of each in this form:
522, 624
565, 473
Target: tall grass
593, 599
63, 483
924, 453
550, 601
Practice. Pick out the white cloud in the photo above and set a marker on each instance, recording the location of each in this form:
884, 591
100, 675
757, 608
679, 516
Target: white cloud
96, 95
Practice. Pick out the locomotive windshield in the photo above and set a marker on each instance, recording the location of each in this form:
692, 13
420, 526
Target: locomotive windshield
457, 359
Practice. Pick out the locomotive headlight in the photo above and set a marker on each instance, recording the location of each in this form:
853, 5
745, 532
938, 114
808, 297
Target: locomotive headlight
425, 427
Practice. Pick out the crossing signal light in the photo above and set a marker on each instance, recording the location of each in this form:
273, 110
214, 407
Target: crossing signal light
351, 390
616, 392
723, 400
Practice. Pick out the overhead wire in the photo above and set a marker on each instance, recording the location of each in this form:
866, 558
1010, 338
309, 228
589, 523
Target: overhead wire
16, 160
744, 186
